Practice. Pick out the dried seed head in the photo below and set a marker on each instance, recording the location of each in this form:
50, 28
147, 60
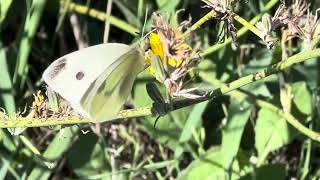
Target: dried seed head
299, 8
222, 11
173, 42
285, 16
309, 28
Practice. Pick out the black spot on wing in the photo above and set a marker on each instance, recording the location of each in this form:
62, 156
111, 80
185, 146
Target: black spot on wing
59, 66
80, 75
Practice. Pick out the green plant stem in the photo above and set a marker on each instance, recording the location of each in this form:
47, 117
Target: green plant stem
201, 21
248, 25
103, 17
6, 122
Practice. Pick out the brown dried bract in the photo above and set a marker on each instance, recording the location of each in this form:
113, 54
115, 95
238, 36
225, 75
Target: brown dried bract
222, 11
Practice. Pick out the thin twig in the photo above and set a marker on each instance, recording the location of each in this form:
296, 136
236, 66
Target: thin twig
102, 16
78, 31
107, 24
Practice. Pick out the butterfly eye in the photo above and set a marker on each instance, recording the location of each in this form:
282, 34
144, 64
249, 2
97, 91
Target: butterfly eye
79, 75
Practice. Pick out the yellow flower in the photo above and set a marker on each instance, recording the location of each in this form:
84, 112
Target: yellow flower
156, 48
156, 45
174, 62
38, 99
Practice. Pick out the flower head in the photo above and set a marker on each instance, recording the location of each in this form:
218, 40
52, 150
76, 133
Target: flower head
295, 20
38, 108
170, 45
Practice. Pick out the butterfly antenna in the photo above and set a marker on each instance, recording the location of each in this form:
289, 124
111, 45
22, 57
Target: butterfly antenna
155, 122
144, 23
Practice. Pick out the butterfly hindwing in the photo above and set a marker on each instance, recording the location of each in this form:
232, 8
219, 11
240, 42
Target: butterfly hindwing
107, 94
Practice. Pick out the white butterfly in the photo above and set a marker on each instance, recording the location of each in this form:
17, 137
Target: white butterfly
97, 80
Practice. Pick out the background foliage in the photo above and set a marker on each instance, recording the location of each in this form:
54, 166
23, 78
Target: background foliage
235, 136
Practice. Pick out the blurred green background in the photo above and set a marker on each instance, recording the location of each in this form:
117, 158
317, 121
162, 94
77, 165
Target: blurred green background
236, 136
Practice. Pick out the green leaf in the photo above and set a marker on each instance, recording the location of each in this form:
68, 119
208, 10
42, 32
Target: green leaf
210, 166
87, 157
129, 15
302, 97
257, 64
157, 65
261, 59
192, 122
272, 132
273, 171
258, 88
238, 115
312, 69
167, 5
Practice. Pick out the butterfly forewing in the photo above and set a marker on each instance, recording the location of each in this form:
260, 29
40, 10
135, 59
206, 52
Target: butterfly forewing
71, 75
107, 94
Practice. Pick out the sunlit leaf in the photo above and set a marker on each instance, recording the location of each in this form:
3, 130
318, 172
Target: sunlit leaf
272, 132
238, 116
302, 97
210, 166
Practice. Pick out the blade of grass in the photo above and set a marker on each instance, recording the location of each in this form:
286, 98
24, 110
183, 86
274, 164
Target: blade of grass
6, 167
123, 25
6, 90
54, 152
140, 9
34, 150
30, 28
4, 7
